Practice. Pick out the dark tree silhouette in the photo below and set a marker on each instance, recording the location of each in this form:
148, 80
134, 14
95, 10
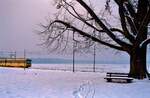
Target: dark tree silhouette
90, 24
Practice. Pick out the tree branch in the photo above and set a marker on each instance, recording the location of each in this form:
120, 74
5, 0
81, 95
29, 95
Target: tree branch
143, 25
80, 18
87, 35
130, 9
123, 21
102, 25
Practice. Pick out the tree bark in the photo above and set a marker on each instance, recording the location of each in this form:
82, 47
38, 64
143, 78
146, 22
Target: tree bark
138, 67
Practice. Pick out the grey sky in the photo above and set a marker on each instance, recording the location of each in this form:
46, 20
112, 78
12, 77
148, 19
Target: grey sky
19, 19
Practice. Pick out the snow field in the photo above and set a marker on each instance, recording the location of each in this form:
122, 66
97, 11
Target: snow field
37, 83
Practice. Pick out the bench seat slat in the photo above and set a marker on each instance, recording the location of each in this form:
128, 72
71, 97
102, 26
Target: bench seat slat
117, 75
119, 78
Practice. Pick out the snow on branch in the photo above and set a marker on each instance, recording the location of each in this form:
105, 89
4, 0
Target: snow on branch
145, 42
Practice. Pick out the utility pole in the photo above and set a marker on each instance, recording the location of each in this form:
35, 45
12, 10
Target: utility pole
73, 67
24, 53
94, 58
94, 54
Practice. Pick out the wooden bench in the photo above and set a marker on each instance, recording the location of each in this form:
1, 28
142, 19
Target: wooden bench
118, 77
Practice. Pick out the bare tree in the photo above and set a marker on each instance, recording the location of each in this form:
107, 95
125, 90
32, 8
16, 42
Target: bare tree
90, 24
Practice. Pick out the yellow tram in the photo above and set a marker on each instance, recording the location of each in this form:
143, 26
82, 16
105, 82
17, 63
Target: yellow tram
15, 62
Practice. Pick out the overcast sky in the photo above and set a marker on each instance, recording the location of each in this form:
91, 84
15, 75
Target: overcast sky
18, 21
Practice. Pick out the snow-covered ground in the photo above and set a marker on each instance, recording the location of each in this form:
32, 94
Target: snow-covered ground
39, 83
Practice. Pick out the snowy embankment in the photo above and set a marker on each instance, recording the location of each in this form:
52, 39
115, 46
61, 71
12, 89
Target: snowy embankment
37, 83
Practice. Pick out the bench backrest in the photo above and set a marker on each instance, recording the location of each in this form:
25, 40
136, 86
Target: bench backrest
117, 74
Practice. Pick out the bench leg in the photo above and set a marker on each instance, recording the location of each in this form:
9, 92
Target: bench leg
129, 81
109, 80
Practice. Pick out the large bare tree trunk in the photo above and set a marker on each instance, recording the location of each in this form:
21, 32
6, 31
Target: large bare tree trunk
138, 67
